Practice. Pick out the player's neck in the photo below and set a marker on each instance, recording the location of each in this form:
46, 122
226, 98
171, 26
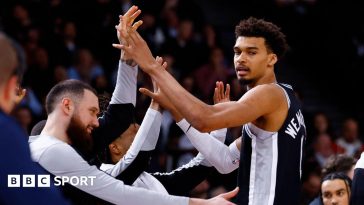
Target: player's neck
264, 80
55, 128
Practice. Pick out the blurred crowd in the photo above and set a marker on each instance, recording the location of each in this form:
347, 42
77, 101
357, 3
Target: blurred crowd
64, 39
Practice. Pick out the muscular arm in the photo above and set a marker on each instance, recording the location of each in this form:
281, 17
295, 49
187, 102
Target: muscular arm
257, 102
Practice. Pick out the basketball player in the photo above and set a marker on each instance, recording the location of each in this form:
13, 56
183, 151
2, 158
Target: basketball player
273, 134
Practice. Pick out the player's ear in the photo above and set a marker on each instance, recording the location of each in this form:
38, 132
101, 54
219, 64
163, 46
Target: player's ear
272, 59
67, 106
114, 149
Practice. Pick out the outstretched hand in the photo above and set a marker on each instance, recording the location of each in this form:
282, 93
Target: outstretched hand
126, 21
154, 104
219, 95
137, 49
158, 96
223, 199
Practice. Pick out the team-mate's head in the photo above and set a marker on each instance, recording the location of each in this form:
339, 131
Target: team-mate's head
335, 189
75, 105
119, 147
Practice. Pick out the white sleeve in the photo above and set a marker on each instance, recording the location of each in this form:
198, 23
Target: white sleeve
126, 85
99, 184
225, 159
145, 140
219, 135
360, 162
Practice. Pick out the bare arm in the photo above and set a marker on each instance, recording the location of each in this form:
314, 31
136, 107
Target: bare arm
259, 101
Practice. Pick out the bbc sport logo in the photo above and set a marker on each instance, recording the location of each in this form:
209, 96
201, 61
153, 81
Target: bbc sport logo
28, 180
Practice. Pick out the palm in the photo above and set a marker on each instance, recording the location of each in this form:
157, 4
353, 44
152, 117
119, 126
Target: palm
221, 95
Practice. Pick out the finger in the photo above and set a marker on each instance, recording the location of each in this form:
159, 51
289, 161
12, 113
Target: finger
221, 86
122, 47
137, 24
159, 60
115, 45
165, 64
216, 98
217, 91
147, 92
227, 92
230, 194
118, 46
134, 16
130, 11
134, 36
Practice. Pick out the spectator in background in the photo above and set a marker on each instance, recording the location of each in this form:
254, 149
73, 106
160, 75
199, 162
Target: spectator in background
207, 75
39, 71
323, 148
84, 68
321, 124
24, 117
185, 45
66, 42
349, 140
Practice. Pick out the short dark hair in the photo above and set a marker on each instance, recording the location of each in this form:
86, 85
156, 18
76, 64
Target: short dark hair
275, 40
338, 163
73, 89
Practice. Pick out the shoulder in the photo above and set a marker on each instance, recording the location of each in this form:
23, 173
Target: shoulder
56, 155
270, 94
12, 135
270, 89
9, 125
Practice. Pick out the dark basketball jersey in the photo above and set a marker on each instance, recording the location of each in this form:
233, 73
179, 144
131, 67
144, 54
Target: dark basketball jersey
271, 162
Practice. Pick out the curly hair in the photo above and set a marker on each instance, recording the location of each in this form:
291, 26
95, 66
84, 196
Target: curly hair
275, 40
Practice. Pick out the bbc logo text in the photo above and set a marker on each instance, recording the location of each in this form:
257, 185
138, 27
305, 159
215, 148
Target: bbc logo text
29, 180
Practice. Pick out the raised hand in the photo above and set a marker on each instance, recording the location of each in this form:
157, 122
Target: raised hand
154, 104
219, 95
126, 21
139, 51
159, 97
